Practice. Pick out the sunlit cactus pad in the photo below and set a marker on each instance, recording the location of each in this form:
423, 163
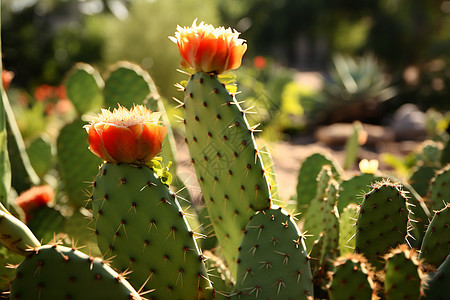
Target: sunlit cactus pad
142, 229
57, 272
273, 262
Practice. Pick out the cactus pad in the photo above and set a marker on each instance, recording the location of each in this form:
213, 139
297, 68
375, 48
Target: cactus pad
227, 163
352, 279
307, 178
57, 272
435, 245
84, 88
273, 262
141, 227
382, 223
402, 274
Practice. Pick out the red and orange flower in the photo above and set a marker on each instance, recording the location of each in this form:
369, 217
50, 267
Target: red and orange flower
208, 49
35, 198
126, 136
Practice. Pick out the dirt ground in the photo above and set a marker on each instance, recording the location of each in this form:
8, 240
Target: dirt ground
288, 156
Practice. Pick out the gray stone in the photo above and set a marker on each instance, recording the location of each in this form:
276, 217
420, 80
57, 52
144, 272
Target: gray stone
408, 123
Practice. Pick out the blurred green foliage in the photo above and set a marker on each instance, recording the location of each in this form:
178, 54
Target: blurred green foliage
408, 40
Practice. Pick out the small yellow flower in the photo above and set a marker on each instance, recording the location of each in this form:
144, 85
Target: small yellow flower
368, 166
208, 49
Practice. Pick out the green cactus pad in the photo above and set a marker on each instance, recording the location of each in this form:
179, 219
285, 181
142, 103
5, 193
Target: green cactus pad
127, 84
307, 178
382, 222
352, 190
228, 165
77, 165
352, 279
421, 178
57, 272
435, 285
445, 155
352, 146
347, 229
439, 189
219, 274
273, 262
15, 235
142, 229
84, 88
321, 215
402, 274
419, 215
45, 222
435, 245
41, 154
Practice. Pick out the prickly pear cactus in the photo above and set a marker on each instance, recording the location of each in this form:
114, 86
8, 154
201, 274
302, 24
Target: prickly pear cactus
353, 189
439, 188
421, 178
420, 216
77, 165
84, 88
321, 215
382, 222
435, 245
347, 229
15, 235
402, 274
435, 285
219, 274
142, 229
57, 272
127, 84
41, 154
307, 178
226, 160
352, 279
273, 262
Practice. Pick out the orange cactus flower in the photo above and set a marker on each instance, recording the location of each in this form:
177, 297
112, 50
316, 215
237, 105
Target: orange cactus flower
208, 49
126, 136
7, 77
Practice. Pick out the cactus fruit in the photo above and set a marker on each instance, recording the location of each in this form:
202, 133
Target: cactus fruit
15, 235
226, 160
273, 262
435, 285
352, 279
439, 188
347, 229
402, 277
58, 272
382, 222
307, 184
141, 227
435, 245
